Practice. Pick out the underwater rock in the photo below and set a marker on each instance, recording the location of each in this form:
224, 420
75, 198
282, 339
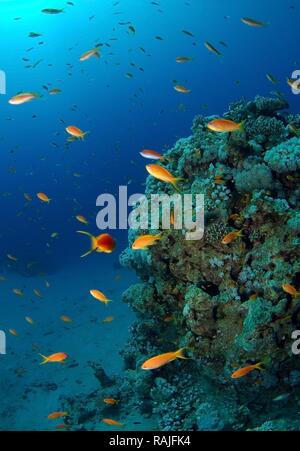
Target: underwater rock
101, 375
223, 303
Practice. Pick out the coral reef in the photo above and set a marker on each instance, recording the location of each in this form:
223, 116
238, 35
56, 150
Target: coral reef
223, 303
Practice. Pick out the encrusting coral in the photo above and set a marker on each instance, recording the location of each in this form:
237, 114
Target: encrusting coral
223, 303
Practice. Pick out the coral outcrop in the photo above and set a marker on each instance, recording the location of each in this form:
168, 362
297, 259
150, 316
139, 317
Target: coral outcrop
223, 303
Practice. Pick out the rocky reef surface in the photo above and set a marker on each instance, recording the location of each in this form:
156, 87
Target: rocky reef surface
223, 303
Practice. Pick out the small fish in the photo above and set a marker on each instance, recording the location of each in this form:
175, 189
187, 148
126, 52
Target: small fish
65, 319
287, 288
163, 175
272, 79
244, 371
13, 332
12, 258
224, 125
108, 319
294, 129
183, 59
76, 132
253, 22
111, 422
23, 97
162, 359
110, 401
144, 241
282, 397
57, 357
37, 293
151, 154
55, 415
54, 91
182, 89
231, 237
52, 11
29, 320
62, 426
82, 219
101, 243
212, 49
43, 197
87, 55
100, 296
27, 197
18, 292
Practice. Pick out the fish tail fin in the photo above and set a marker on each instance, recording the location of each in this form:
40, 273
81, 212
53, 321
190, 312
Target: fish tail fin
180, 354
45, 359
240, 233
93, 242
260, 366
242, 125
175, 183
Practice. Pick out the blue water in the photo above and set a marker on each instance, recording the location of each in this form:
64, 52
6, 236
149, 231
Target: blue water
123, 116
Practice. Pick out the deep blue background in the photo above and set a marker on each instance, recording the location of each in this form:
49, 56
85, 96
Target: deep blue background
123, 115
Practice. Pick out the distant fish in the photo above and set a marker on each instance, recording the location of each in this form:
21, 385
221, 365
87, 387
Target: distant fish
272, 79
55, 415
212, 49
253, 22
13, 332
82, 219
183, 59
18, 292
182, 89
52, 11
90, 53
58, 357
282, 397
110, 401
29, 319
290, 289
65, 319
246, 370
151, 154
162, 359
43, 197
112, 422
231, 237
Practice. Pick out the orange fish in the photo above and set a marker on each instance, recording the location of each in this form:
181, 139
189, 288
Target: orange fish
65, 319
108, 319
182, 89
151, 154
162, 359
62, 426
101, 243
163, 175
55, 415
76, 132
43, 197
110, 401
100, 296
111, 422
247, 369
57, 357
231, 237
290, 290
144, 241
23, 97
82, 219
87, 55
224, 125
